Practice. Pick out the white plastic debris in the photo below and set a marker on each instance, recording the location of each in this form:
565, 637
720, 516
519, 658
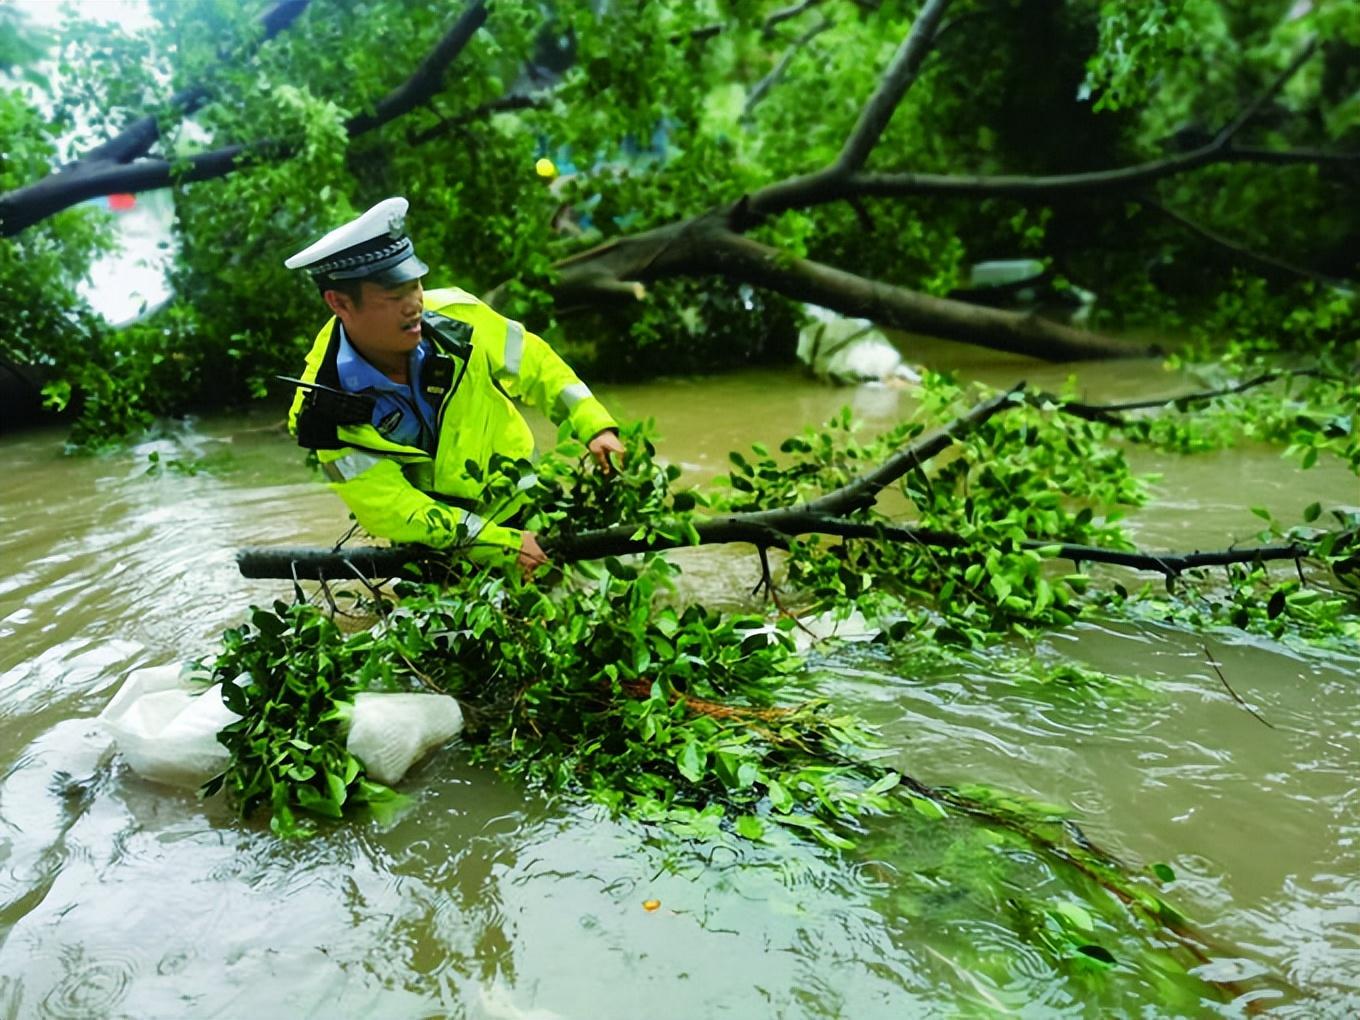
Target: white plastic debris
391, 732
166, 726
850, 350
814, 630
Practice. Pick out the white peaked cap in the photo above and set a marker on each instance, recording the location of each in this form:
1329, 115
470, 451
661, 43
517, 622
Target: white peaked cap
373, 247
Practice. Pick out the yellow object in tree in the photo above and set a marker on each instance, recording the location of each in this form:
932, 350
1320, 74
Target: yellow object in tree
545, 168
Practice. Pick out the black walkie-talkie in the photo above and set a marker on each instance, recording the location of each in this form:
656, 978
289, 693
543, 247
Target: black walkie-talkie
334, 405
452, 340
324, 409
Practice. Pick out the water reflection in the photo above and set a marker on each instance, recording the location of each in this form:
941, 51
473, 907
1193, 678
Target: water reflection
117, 897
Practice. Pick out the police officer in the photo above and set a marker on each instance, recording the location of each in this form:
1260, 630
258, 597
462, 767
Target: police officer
404, 387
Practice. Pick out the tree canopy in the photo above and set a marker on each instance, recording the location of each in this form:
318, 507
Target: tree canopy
710, 165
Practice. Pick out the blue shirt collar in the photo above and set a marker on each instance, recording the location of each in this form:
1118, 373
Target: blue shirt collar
357, 374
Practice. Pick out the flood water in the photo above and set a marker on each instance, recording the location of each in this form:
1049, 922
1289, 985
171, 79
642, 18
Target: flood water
119, 898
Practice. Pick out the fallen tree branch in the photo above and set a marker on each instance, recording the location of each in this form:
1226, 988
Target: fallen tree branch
95, 173
861, 492
774, 18
742, 259
773, 529
1269, 266
1269, 92
1108, 413
534, 101
137, 138
844, 179
427, 78
704, 246
820, 189
711, 243
25, 206
897, 79
762, 88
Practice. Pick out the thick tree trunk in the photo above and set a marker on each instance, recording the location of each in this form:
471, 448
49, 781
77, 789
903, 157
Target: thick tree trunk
704, 246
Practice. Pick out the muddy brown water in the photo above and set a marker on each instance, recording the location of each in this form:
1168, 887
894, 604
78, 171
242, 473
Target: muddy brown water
119, 898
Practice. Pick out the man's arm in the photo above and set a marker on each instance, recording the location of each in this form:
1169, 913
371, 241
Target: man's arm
528, 368
388, 505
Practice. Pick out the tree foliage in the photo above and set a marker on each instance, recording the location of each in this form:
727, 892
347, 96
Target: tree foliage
705, 726
1238, 122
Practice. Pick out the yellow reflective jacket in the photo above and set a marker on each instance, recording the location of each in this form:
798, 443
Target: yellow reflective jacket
405, 494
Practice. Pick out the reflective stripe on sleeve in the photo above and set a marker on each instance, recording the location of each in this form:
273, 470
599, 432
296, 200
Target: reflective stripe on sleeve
473, 523
573, 395
514, 346
350, 466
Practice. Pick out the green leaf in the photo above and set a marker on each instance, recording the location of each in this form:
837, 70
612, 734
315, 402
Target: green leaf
1163, 872
1276, 604
927, 808
780, 799
311, 800
1098, 953
1077, 916
749, 827
690, 761
885, 783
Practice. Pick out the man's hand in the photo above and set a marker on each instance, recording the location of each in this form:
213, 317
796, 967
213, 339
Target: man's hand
604, 444
531, 554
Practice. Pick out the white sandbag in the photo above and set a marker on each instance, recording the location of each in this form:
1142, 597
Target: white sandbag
813, 630
166, 726
390, 732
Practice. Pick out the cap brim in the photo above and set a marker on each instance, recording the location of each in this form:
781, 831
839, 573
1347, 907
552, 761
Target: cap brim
408, 269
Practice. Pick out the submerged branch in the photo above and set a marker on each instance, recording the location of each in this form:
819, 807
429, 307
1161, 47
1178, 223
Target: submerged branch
1213, 661
1108, 413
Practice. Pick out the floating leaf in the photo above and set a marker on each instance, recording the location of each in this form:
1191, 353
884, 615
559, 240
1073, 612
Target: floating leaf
1098, 953
1077, 916
927, 808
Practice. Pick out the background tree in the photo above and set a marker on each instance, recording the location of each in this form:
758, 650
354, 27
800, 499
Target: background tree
726, 161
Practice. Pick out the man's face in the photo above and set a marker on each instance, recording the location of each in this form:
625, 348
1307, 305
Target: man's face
385, 321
